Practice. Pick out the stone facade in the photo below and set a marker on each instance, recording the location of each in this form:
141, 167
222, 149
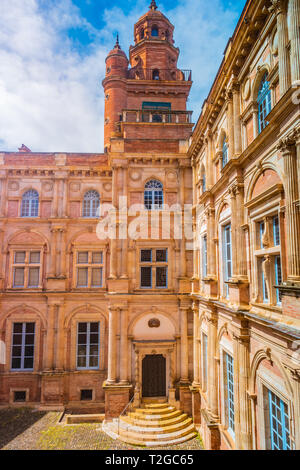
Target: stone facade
221, 321
246, 288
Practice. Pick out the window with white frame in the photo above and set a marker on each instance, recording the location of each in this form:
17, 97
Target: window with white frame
204, 256
204, 361
89, 269
279, 423
91, 204
268, 253
154, 268
153, 195
227, 256
22, 351
228, 391
26, 269
88, 345
30, 204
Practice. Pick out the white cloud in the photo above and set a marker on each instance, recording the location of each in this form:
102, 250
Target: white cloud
51, 97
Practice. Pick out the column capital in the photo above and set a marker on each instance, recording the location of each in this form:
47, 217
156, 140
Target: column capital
278, 6
286, 145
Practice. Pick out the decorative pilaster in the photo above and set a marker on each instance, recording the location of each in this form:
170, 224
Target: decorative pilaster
3, 179
49, 358
212, 378
288, 150
196, 358
124, 346
237, 119
233, 205
112, 349
294, 7
243, 411
230, 125
283, 40
184, 345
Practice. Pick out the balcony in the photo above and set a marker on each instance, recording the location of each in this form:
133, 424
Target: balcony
139, 73
156, 116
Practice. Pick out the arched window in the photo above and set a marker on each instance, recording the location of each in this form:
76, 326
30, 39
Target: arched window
154, 31
30, 204
153, 195
155, 74
264, 102
142, 33
224, 153
91, 203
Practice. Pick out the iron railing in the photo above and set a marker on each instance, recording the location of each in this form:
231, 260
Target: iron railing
128, 408
140, 73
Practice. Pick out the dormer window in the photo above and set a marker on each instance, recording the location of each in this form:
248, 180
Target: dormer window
154, 32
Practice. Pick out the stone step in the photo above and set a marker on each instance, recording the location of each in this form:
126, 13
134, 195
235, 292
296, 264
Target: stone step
154, 417
173, 442
151, 422
157, 435
152, 411
155, 429
156, 406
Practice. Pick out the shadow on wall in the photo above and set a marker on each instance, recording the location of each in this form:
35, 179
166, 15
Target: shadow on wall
14, 422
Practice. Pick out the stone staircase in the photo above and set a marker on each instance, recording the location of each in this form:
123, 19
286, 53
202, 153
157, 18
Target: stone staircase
157, 424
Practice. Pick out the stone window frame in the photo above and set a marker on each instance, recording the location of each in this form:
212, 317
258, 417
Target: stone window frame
89, 248
87, 317
225, 347
12, 391
261, 208
155, 245
87, 356
12, 249
25, 318
266, 380
22, 199
224, 220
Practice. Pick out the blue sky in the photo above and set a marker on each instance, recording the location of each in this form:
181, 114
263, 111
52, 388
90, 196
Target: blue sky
52, 55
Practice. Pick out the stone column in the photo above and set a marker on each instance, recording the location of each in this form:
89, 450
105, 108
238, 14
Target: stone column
124, 347
123, 224
241, 239
294, 6
196, 358
230, 125
112, 349
295, 382
212, 378
182, 242
297, 137
60, 338
237, 119
243, 370
3, 196
184, 345
211, 247
49, 357
255, 120
288, 150
53, 252
233, 203
283, 40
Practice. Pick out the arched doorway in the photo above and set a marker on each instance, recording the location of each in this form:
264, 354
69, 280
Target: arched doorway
154, 376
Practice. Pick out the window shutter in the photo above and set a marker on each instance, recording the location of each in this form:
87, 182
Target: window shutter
82, 277
34, 274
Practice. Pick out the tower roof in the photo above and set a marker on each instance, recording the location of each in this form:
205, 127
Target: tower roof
117, 49
153, 5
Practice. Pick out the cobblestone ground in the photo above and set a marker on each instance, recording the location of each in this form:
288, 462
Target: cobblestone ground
27, 429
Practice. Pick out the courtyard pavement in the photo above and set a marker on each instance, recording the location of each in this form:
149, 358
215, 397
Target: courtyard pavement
29, 429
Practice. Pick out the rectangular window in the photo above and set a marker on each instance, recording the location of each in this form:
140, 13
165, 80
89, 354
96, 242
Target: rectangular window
229, 392
227, 258
154, 268
204, 256
204, 361
278, 278
279, 423
276, 231
22, 346
88, 342
26, 269
90, 269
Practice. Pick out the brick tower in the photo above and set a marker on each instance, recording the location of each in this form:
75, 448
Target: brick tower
152, 91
